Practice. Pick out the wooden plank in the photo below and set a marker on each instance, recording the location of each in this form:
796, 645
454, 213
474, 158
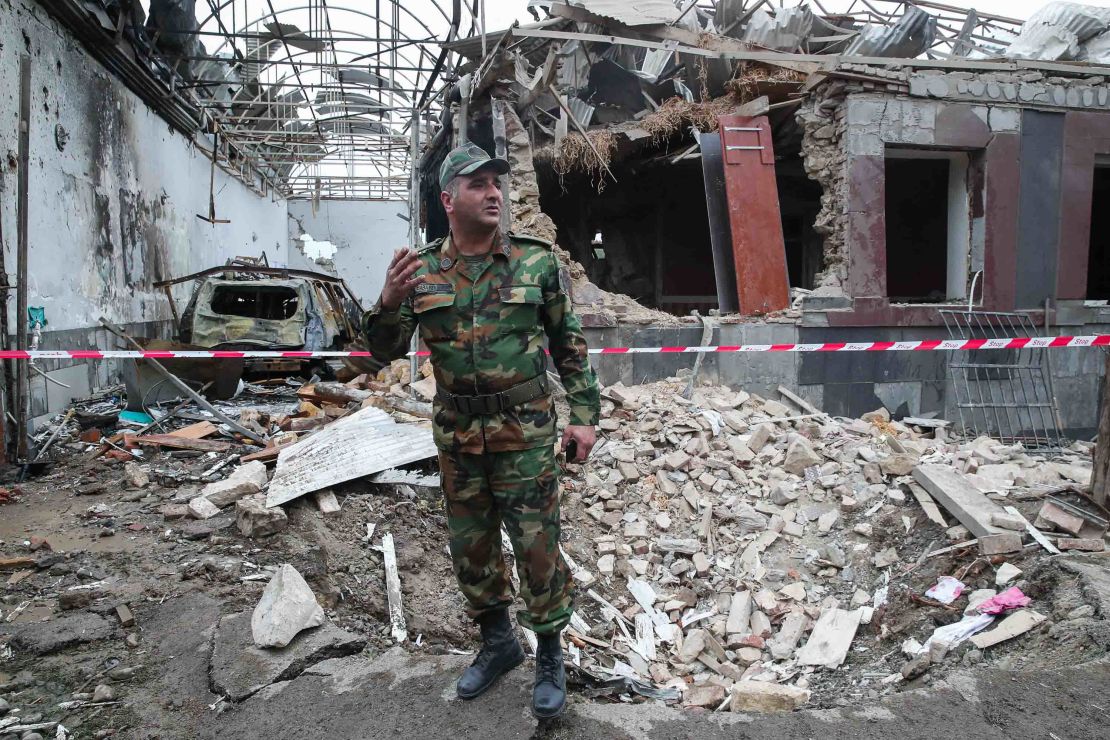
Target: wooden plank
1016, 624
266, 455
179, 443
927, 504
575, 634
393, 590
195, 431
403, 405
956, 494
16, 563
831, 638
337, 393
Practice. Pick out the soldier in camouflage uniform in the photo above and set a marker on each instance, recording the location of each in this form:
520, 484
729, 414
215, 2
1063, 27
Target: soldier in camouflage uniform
483, 303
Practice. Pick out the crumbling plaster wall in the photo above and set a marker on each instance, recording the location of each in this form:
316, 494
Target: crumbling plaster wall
365, 233
824, 158
114, 198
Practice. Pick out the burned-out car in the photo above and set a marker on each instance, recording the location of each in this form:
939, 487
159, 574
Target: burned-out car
252, 307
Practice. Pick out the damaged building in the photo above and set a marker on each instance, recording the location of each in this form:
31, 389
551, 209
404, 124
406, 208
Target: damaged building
789, 174
811, 178
844, 270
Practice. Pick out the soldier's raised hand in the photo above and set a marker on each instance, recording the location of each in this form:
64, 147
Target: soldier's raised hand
399, 280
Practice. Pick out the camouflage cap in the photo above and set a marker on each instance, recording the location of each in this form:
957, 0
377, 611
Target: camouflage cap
468, 159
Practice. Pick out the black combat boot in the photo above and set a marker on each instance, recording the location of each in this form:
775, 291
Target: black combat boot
549, 696
500, 654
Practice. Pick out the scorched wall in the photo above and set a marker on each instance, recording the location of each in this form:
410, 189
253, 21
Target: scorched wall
114, 198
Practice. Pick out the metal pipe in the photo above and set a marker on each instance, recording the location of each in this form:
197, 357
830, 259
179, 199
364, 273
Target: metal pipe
456, 12
1049, 371
22, 189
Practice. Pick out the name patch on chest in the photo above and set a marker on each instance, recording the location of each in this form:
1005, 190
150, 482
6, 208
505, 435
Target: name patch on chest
433, 288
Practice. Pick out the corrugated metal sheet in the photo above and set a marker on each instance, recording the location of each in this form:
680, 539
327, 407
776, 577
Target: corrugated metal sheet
783, 32
631, 12
910, 36
1097, 50
366, 442
1061, 31
726, 19
655, 61
583, 111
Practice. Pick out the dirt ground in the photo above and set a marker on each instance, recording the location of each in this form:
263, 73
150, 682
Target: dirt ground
96, 542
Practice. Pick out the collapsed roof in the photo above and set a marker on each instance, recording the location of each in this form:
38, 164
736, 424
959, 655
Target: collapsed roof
317, 99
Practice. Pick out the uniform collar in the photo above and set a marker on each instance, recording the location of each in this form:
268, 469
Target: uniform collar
448, 256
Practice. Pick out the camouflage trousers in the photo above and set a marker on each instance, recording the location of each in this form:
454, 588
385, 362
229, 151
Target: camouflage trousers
519, 489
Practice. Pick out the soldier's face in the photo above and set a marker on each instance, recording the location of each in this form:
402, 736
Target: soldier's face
478, 202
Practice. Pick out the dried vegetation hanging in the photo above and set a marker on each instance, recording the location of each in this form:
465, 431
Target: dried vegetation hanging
675, 115
574, 154
745, 85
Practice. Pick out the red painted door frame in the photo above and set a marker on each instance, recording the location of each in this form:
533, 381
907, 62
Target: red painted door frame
758, 248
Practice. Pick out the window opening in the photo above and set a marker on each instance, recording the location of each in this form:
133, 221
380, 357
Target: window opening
272, 303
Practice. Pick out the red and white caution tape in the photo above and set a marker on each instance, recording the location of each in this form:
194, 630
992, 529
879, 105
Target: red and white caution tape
924, 345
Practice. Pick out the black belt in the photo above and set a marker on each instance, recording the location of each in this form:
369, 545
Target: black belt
493, 403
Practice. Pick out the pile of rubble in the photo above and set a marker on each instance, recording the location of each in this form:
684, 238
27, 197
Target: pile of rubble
281, 414
730, 551
741, 549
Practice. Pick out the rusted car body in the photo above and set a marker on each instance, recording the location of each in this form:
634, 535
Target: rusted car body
243, 307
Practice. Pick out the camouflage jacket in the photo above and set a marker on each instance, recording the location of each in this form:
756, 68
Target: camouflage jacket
484, 325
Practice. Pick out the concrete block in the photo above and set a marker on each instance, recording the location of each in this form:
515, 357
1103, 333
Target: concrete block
998, 544
1090, 544
255, 520
757, 696
1004, 119
864, 143
864, 112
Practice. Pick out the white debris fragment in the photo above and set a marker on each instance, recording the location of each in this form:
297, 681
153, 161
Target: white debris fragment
287, 607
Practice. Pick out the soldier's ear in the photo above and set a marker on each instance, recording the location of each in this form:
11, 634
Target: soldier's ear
445, 199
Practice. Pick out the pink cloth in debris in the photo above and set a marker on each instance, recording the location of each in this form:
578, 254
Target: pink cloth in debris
1011, 598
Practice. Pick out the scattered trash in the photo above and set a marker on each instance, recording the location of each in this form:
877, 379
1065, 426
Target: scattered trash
947, 590
957, 632
1011, 598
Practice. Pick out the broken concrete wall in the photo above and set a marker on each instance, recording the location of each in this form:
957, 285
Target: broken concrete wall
595, 306
1029, 142
114, 198
822, 117
364, 232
